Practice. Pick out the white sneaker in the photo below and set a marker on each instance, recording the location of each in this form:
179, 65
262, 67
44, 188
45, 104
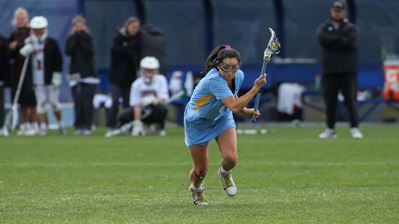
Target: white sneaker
161, 132
113, 132
228, 183
138, 128
22, 129
87, 132
42, 132
198, 196
356, 133
328, 133
4, 132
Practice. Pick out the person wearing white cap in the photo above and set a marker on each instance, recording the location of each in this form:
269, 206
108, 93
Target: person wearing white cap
148, 97
45, 67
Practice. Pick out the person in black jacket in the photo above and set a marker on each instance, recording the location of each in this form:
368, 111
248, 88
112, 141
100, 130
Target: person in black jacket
82, 76
153, 45
3, 72
125, 58
337, 38
45, 68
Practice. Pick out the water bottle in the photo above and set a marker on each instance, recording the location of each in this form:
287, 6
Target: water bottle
317, 82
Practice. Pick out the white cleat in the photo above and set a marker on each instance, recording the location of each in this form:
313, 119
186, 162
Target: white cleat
356, 133
112, 133
328, 133
198, 196
228, 183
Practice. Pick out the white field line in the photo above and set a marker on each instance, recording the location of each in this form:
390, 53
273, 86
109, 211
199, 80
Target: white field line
167, 164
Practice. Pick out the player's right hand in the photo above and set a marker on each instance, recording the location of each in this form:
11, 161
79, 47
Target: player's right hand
26, 50
260, 82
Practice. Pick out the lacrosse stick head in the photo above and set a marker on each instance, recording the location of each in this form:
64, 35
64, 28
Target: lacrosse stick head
273, 46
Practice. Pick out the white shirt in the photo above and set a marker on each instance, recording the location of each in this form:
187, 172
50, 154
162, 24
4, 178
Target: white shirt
38, 63
158, 88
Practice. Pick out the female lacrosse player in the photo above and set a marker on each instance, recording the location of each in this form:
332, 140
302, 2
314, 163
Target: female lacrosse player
208, 115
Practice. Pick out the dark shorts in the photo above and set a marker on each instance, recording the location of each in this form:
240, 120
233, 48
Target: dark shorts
27, 97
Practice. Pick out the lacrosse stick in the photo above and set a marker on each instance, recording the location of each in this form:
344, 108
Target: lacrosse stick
273, 47
126, 127
11, 120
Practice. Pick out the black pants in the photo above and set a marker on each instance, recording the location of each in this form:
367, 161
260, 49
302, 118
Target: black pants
83, 95
2, 110
27, 95
117, 92
153, 114
347, 84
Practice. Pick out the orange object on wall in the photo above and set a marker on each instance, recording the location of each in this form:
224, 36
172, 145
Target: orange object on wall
391, 80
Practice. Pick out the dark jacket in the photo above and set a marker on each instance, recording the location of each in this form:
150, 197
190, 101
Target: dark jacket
125, 58
338, 47
52, 60
79, 46
153, 44
16, 60
3, 61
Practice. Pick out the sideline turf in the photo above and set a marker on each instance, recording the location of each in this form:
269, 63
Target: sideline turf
288, 176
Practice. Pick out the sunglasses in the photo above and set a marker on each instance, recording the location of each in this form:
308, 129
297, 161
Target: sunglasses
232, 68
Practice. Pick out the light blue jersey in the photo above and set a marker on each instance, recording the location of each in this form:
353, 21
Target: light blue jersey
206, 101
205, 116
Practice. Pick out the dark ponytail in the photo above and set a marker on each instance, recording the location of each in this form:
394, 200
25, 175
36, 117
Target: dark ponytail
218, 54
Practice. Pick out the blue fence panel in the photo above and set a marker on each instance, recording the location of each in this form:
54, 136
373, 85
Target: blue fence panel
244, 25
183, 25
378, 24
300, 24
105, 18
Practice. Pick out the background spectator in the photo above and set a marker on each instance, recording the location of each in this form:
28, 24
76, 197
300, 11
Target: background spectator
337, 38
125, 57
45, 68
27, 100
153, 44
82, 75
3, 72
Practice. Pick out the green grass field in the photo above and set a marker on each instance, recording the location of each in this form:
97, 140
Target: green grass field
288, 176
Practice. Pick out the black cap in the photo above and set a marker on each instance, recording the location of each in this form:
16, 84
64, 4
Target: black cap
338, 6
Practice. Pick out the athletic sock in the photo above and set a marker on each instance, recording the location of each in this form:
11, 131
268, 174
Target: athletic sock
197, 189
224, 172
43, 126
